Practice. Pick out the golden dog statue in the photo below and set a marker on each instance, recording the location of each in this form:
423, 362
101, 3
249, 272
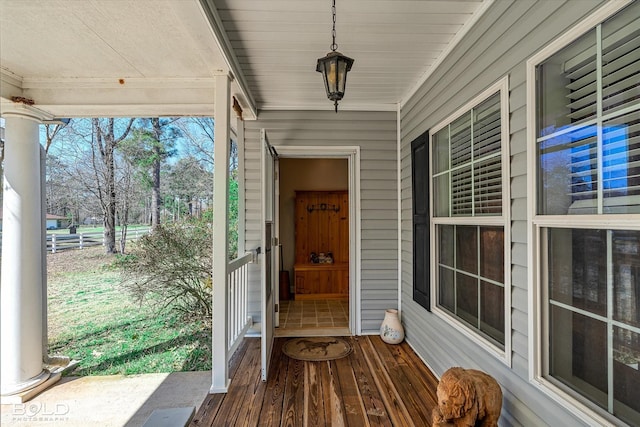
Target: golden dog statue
467, 398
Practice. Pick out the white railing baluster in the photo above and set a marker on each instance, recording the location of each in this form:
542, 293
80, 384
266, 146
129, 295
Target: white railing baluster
238, 321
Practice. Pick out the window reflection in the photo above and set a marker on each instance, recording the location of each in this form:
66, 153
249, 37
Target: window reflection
569, 167
585, 266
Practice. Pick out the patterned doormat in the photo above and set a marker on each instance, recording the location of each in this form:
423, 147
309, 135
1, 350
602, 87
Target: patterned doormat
317, 349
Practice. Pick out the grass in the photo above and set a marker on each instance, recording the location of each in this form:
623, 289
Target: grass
92, 320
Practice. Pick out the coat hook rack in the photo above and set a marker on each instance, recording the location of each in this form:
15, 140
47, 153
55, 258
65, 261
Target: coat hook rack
323, 207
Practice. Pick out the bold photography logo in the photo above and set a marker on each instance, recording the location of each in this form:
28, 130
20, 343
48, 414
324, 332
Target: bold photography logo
40, 410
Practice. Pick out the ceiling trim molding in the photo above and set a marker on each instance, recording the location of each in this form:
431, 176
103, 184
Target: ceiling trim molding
209, 9
116, 83
486, 4
324, 107
129, 110
10, 84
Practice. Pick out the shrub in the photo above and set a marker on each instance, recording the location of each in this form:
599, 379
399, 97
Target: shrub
171, 268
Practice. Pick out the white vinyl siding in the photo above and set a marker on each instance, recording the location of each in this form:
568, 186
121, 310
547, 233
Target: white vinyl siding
585, 222
498, 45
375, 133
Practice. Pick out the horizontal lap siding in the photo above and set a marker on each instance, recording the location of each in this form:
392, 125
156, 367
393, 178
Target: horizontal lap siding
498, 45
375, 134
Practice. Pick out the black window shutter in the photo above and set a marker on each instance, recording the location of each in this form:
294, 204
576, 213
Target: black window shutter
421, 244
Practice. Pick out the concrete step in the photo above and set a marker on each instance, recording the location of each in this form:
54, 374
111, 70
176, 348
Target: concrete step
170, 417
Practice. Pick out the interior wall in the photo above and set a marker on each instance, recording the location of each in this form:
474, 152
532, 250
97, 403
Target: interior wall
310, 175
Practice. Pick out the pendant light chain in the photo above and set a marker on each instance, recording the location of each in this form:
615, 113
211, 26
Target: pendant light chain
334, 67
334, 46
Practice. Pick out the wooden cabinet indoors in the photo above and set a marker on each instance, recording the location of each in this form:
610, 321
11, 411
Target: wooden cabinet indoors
322, 227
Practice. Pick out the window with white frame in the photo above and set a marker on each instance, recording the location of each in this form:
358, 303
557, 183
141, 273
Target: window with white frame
469, 203
587, 222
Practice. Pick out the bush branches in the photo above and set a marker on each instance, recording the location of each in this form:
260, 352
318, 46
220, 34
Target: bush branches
171, 268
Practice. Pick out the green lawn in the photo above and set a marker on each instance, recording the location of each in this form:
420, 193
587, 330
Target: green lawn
92, 320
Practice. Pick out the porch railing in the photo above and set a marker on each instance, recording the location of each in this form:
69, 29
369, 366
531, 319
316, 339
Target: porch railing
237, 300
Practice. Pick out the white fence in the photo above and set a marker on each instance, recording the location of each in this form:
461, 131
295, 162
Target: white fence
237, 300
61, 242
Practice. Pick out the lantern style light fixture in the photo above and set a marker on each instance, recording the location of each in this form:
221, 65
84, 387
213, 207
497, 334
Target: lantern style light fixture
334, 68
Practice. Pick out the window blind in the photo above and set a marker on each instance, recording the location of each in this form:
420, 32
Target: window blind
487, 150
620, 91
476, 166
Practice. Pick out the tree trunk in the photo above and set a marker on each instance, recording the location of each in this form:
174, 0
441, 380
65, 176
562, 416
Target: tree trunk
110, 206
155, 190
106, 143
155, 195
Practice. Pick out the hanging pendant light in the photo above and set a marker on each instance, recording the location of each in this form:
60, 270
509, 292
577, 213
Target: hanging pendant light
334, 68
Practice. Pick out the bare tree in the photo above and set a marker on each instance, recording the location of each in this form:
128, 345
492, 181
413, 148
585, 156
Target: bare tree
63, 195
155, 173
198, 136
77, 177
124, 184
105, 143
51, 132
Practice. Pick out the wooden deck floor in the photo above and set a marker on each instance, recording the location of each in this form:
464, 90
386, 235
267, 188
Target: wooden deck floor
376, 385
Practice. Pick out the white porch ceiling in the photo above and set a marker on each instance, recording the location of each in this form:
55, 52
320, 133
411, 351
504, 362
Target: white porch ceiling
147, 57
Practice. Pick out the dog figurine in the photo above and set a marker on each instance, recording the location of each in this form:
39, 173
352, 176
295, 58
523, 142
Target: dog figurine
467, 398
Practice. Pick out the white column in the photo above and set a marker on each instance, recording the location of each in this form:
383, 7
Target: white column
220, 363
22, 276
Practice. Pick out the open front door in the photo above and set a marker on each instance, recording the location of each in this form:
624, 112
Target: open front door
269, 241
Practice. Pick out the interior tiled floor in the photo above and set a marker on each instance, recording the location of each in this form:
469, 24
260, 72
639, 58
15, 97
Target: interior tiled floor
333, 313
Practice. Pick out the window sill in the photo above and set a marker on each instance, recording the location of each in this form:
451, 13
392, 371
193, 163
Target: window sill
582, 411
499, 353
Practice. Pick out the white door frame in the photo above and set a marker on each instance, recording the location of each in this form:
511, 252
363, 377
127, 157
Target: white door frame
267, 271
352, 154
276, 231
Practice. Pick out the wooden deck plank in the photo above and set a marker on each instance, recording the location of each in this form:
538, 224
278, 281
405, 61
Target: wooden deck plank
423, 383
253, 400
293, 409
207, 412
422, 374
313, 402
333, 405
377, 411
376, 385
390, 396
393, 358
271, 412
240, 389
257, 398
361, 400
355, 414
210, 407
